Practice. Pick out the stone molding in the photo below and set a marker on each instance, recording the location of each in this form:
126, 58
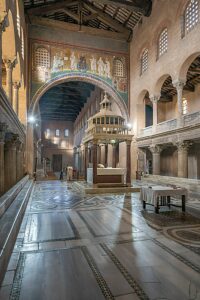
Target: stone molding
3, 128
3, 22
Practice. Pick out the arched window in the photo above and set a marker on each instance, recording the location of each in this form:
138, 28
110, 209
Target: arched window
22, 43
42, 57
18, 21
144, 61
185, 106
191, 15
66, 132
57, 132
118, 68
163, 42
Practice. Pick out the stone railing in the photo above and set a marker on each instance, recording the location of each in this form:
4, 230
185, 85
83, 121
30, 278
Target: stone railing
146, 131
192, 119
166, 126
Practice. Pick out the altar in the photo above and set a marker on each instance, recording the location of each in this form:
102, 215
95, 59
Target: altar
107, 175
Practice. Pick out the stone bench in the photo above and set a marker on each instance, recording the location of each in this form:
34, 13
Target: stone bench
10, 223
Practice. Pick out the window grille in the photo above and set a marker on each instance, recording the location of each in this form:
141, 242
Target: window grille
191, 15
185, 106
118, 68
42, 57
57, 132
163, 42
144, 61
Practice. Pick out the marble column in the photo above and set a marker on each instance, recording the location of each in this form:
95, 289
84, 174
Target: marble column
128, 163
3, 128
179, 87
10, 64
114, 146
183, 148
156, 150
106, 156
3, 25
154, 100
10, 160
15, 104
85, 160
94, 150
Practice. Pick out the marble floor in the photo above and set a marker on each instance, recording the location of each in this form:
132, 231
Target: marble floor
80, 247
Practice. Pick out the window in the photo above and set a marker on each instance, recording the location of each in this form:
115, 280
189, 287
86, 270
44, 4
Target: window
191, 15
42, 57
47, 133
118, 68
22, 43
66, 133
18, 21
144, 61
163, 42
57, 132
185, 106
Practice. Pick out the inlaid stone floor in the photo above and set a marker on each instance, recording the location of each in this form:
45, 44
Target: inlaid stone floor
76, 247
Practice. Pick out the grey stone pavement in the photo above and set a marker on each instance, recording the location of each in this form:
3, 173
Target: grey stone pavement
81, 247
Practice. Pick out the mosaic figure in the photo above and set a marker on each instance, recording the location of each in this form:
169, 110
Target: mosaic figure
82, 65
93, 63
73, 61
100, 67
107, 69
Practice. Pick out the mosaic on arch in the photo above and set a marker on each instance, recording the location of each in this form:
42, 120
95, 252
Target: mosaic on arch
50, 61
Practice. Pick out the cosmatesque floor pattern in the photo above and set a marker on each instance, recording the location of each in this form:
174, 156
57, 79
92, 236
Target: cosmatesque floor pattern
79, 247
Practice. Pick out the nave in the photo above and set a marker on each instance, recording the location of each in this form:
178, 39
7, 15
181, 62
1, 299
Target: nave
75, 246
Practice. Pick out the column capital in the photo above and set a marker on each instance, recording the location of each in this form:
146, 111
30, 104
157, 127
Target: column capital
183, 145
178, 84
128, 142
3, 128
154, 98
11, 140
3, 21
10, 63
16, 85
95, 142
155, 149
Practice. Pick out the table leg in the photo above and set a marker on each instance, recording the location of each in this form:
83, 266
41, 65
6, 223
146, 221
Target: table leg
183, 203
144, 204
168, 201
157, 206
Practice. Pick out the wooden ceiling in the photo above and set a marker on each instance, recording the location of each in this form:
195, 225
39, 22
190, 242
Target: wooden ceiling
118, 16
64, 101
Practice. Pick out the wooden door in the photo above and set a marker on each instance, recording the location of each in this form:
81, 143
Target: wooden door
57, 162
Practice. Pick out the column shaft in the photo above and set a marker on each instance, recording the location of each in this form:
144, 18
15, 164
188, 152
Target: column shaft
156, 163
15, 103
94, 150
1, 167
128, 163
86, 160
106, 156
114, 156
179, 87
183, 159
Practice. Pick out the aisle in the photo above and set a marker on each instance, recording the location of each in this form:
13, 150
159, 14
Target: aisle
79, 247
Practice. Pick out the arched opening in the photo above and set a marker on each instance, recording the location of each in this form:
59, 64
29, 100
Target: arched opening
191, 93
61, 114
167, 102
148, 111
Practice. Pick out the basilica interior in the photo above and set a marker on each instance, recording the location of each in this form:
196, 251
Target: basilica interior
99, 149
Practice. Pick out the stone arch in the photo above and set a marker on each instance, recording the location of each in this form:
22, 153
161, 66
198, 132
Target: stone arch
141, 109
182, 74
8, 39
75, 77
159, 83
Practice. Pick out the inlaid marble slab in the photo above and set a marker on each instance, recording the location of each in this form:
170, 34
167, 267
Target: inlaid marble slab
103, 222
63, 274
48, 227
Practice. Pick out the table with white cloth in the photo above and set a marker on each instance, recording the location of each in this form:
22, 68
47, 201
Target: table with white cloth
161, 196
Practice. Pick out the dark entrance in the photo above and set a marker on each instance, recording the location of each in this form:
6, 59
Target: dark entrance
57, 162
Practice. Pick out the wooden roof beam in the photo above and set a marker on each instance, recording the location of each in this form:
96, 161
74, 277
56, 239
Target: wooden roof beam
141, 6
105, 18
54, 24
50, 8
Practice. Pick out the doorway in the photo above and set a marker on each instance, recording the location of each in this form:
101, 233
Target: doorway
57, 162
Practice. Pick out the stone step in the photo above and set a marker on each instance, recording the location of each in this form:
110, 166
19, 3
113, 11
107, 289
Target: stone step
10, 223
9, 196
